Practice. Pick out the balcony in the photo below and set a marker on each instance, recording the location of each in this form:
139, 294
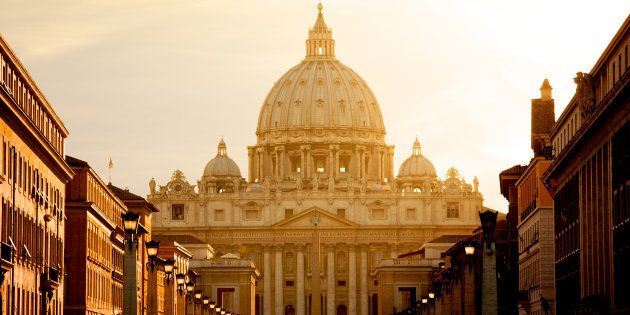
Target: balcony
50, 280
6, 252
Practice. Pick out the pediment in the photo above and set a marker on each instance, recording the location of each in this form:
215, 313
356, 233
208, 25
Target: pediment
324, 219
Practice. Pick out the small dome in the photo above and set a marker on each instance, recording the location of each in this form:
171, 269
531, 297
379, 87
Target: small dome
221, 165
416, 165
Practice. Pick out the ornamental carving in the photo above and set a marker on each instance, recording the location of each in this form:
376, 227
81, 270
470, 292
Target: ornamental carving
585, 93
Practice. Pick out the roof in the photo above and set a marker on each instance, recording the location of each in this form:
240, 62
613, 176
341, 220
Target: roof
72, 161
514, 170
179, 238
124, 194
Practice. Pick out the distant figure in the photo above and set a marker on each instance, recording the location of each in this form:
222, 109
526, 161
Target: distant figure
152, 185
363, 185
476, 184
315, 181
236, 183
331, 184
298, 183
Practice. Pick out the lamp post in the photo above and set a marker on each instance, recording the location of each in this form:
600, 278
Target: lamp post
130, 282
205, 302
489, 303
212, 305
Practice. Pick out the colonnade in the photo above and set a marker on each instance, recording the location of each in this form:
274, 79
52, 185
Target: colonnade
370, 162
277, 291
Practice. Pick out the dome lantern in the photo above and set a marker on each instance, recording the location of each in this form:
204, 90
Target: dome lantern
320, 44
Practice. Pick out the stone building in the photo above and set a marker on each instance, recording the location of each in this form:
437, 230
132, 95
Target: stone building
95, 236
590, 180
535, 214
33, 176
320, 173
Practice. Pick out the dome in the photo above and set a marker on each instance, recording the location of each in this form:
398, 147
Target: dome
221, 165
416, 165
320, 93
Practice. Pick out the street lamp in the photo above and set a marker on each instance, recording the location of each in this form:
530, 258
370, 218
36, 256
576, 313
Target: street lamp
130, 222
180, 279
152, 249
169, 267
488, 223
198, 294
469, 248
190, 287
431, 294
222, 312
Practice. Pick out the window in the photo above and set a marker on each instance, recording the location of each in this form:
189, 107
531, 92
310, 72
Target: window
341, 283
377, 214
252, 215
289, 283
288, 213
411, 214
320, 164
296, 162
341, 213
452, 210
219, 214
177, 212
344, 163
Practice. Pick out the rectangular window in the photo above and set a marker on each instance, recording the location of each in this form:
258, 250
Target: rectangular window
177, 211
219, 214
411, 214
289, 283
341, 283
252, 214
452, 210
341, 213
288, 213
377, 214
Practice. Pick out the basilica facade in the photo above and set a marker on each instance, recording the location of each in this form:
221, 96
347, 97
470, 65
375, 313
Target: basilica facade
321, 205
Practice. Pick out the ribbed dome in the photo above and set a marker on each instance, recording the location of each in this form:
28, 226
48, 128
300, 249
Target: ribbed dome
416, 165
221, 165
320, 93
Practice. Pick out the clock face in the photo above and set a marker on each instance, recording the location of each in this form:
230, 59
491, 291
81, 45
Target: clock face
178, 187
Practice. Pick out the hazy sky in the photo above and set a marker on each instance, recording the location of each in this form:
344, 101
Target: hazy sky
155, 84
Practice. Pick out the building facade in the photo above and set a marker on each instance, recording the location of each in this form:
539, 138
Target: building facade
33, 176
535, 215
320, 173
95, 263
589, 179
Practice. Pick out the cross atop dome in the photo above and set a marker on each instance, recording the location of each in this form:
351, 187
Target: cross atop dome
320, 45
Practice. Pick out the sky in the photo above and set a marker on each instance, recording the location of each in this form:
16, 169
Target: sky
155, 84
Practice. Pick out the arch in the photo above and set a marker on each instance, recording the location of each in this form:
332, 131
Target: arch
342, 310
289, 310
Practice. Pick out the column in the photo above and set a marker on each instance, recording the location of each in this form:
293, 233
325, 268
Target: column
352, 280
300, 280
330, 282
279, 285
250, 164
266, 279
364, 279
302, 162
379, 168
130, 282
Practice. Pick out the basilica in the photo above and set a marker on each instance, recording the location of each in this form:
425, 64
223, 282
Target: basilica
321, 205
